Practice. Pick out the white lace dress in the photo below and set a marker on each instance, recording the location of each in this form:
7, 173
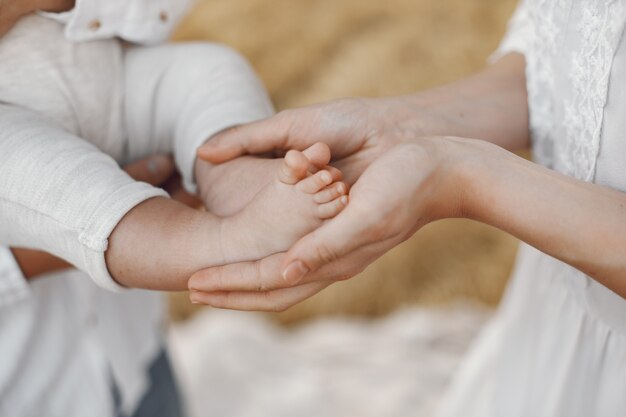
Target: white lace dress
557, 346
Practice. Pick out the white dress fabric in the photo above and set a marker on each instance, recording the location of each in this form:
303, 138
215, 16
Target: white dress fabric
557, 346
70, 113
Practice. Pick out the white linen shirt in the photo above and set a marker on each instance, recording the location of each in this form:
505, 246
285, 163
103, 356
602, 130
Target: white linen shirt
64, 341
139, 21
98, 337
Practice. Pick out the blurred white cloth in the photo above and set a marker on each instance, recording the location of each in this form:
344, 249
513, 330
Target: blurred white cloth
557, 345
70, 114
234, 364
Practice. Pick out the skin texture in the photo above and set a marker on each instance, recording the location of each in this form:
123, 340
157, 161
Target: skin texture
12, 10
405, 177
192, 239
161, 242
158, 170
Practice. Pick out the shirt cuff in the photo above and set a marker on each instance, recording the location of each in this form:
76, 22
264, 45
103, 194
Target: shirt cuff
94, 238
13, 285
200, 132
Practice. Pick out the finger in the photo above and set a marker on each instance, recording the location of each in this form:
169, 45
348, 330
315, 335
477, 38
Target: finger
253, 138
262, 275
265, 275
330, 193
153, 170
340, 236
274, 301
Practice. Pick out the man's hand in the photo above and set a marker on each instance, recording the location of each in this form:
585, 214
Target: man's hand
12, 10
407, 187
157, 170
356, 130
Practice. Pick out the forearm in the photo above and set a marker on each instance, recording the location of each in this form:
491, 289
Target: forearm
160, 243
579, 223
491, 105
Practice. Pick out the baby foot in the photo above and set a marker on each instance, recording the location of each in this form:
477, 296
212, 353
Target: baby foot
248, 175
296, 202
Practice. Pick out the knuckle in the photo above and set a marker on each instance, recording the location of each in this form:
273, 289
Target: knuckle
261, 286
325, 254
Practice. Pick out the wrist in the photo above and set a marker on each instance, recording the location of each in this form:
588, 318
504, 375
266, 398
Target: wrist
457, 175
160, 243
421, 114
474, 165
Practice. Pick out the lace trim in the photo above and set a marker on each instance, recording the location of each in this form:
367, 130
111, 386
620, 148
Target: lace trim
541, 77
600, 29
570, 145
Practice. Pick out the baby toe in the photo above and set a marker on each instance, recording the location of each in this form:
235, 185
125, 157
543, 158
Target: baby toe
330, 193
294, 167
335, 173
330, 210
315, 182
318, 154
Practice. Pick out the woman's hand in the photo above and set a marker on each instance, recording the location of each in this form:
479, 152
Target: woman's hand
579, 223
491, 105
407, 187
356, 130
157, 170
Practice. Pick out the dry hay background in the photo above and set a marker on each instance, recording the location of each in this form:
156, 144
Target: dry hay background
308, 51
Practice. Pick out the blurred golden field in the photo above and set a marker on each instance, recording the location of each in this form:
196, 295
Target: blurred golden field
308, 51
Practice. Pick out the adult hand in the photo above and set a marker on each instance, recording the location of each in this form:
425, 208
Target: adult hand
12, 10
410, 185
158, 170
356, 130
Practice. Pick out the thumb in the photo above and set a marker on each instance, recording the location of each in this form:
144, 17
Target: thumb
335, 239
253, 138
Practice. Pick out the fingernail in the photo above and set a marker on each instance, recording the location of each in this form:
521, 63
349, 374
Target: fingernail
295, 271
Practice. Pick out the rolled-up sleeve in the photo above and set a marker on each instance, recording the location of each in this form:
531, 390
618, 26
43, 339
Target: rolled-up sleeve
180, 95
519, 34
61, 194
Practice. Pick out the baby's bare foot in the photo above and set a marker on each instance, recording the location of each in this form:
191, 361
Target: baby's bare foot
295, 203
248, 175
